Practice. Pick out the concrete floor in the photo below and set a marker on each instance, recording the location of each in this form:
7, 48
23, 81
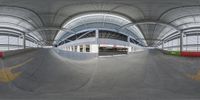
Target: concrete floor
148, 75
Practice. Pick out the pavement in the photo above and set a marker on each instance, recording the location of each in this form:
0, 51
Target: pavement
149, 75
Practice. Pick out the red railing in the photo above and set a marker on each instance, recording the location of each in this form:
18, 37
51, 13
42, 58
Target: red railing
1, 54
190, 54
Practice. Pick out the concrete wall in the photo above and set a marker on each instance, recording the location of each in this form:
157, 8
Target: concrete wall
94, 45
135, 48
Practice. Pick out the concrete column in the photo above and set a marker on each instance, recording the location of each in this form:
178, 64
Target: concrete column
97, 39
78, 48
37, 44
129, 46
70, 48
197, 43
181, 41
8, 43
18, 39
94, 48
84, 48
24, 40
163, 42
97, 35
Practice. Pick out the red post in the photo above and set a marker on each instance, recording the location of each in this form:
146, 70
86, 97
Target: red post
1, 54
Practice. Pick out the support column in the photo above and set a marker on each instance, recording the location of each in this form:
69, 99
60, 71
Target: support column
78, 48
18, 39
97, 35
181, 41
84, 48
129, 46
197, 43
24, 40
163, 42
97, 40
8, 43
37, 44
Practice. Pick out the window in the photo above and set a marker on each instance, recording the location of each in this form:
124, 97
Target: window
81, 48
87, 48
75, 48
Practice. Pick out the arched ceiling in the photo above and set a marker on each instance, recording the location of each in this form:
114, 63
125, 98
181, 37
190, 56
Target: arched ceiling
18, 21
97, 21
184, 14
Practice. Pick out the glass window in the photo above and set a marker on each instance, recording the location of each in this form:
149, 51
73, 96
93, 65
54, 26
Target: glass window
75, 48
81, 48
87, 48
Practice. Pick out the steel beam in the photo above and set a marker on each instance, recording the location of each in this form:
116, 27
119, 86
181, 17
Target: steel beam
24, 40
181, 41
49, 28
97, 35
83, 35
148, 22
163, 42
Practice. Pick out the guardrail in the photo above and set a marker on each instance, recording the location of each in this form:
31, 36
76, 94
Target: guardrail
184, 53
4, 54
190, 54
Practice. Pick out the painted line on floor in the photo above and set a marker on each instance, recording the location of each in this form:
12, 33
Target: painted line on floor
119, 55
195, 76
6, 74
112, 56
105, 56
21, 64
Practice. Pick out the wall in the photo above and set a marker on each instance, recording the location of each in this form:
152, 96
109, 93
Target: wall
94, 45
75, 55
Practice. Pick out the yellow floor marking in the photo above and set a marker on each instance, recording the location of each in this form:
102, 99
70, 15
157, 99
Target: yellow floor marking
6, 74
19, 65
195, 77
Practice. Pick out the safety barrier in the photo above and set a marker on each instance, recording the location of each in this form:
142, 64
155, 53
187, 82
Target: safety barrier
1, 54
190, 54
184, 53
174, 53
4, 54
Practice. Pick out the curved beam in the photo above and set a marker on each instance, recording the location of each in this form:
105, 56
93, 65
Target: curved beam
11, 29
113, 29
188, 24
183, 17
112, 11
49, 28
103, 27
171, 9
26, 9
12, 24
148, 22
191, 28
9, 33
21, 19
18, 26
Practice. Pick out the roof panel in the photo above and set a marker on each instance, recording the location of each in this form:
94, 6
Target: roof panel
94, 18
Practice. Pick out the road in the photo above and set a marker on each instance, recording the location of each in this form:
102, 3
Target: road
150, 75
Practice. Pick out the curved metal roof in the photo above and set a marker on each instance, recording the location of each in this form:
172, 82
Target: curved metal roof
99, 20
19, 21
34, 14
